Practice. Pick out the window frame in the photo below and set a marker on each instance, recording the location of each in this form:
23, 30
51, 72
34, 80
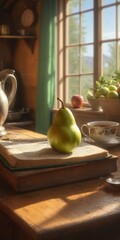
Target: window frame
61, 46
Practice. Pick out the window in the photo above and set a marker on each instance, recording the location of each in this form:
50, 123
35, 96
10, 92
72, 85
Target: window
88, 37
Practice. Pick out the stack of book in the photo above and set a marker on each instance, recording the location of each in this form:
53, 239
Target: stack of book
29, 164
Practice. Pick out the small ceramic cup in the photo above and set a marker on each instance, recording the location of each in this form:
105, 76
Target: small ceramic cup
100, 131
4, 29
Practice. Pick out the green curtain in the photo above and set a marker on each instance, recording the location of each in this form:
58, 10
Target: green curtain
46, 65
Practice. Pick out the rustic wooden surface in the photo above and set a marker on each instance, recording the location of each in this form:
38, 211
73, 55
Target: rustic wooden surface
62, 212
84, 210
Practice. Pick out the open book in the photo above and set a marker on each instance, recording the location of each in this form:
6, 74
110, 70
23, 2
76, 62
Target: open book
34, 152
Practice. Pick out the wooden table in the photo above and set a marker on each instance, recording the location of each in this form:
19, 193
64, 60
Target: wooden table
83, 210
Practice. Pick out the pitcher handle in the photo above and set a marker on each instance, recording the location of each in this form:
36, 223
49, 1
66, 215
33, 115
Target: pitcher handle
12, 93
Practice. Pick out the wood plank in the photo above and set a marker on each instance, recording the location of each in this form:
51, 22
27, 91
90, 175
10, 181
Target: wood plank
61, 212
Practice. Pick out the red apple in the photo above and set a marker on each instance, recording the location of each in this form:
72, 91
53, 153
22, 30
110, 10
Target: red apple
77, 101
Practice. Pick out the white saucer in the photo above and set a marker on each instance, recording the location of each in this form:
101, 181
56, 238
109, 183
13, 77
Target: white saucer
112, 143
113, 181
113, 184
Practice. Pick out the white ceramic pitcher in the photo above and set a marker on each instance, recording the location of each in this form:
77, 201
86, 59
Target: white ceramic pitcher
7, 93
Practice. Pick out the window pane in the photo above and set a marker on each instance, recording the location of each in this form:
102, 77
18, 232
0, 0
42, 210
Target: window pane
86, 82
87, 27
106, 2
86, 4
78, 85
73, 6
119, 55
73, 87
87, 59
119, 21
73, 25
109, 23
109, 57
73, 60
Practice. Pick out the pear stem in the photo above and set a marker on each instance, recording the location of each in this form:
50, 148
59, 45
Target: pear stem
61, 102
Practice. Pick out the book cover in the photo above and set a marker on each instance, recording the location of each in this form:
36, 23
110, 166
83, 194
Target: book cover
33, 179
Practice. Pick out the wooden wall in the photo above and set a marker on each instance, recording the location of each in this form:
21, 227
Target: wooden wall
22, 55
25, 62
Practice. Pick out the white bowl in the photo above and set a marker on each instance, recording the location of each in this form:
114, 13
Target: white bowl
18, 115
94, 103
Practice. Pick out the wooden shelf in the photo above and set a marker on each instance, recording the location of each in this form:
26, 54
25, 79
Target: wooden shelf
27, 124
29, 39
18, 36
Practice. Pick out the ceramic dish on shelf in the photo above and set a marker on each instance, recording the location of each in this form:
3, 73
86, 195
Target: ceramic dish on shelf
18, 115
27, 17
112, 143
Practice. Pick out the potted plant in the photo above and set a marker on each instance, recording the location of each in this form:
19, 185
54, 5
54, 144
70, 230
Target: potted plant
93, 100
107, 92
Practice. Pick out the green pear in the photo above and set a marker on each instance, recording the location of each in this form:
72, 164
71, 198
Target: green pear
64, 134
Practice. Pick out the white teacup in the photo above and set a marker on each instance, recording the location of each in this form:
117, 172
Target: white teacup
100, 131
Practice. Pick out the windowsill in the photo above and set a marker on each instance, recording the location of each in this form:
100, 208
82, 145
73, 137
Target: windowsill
86, 114
84, 111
